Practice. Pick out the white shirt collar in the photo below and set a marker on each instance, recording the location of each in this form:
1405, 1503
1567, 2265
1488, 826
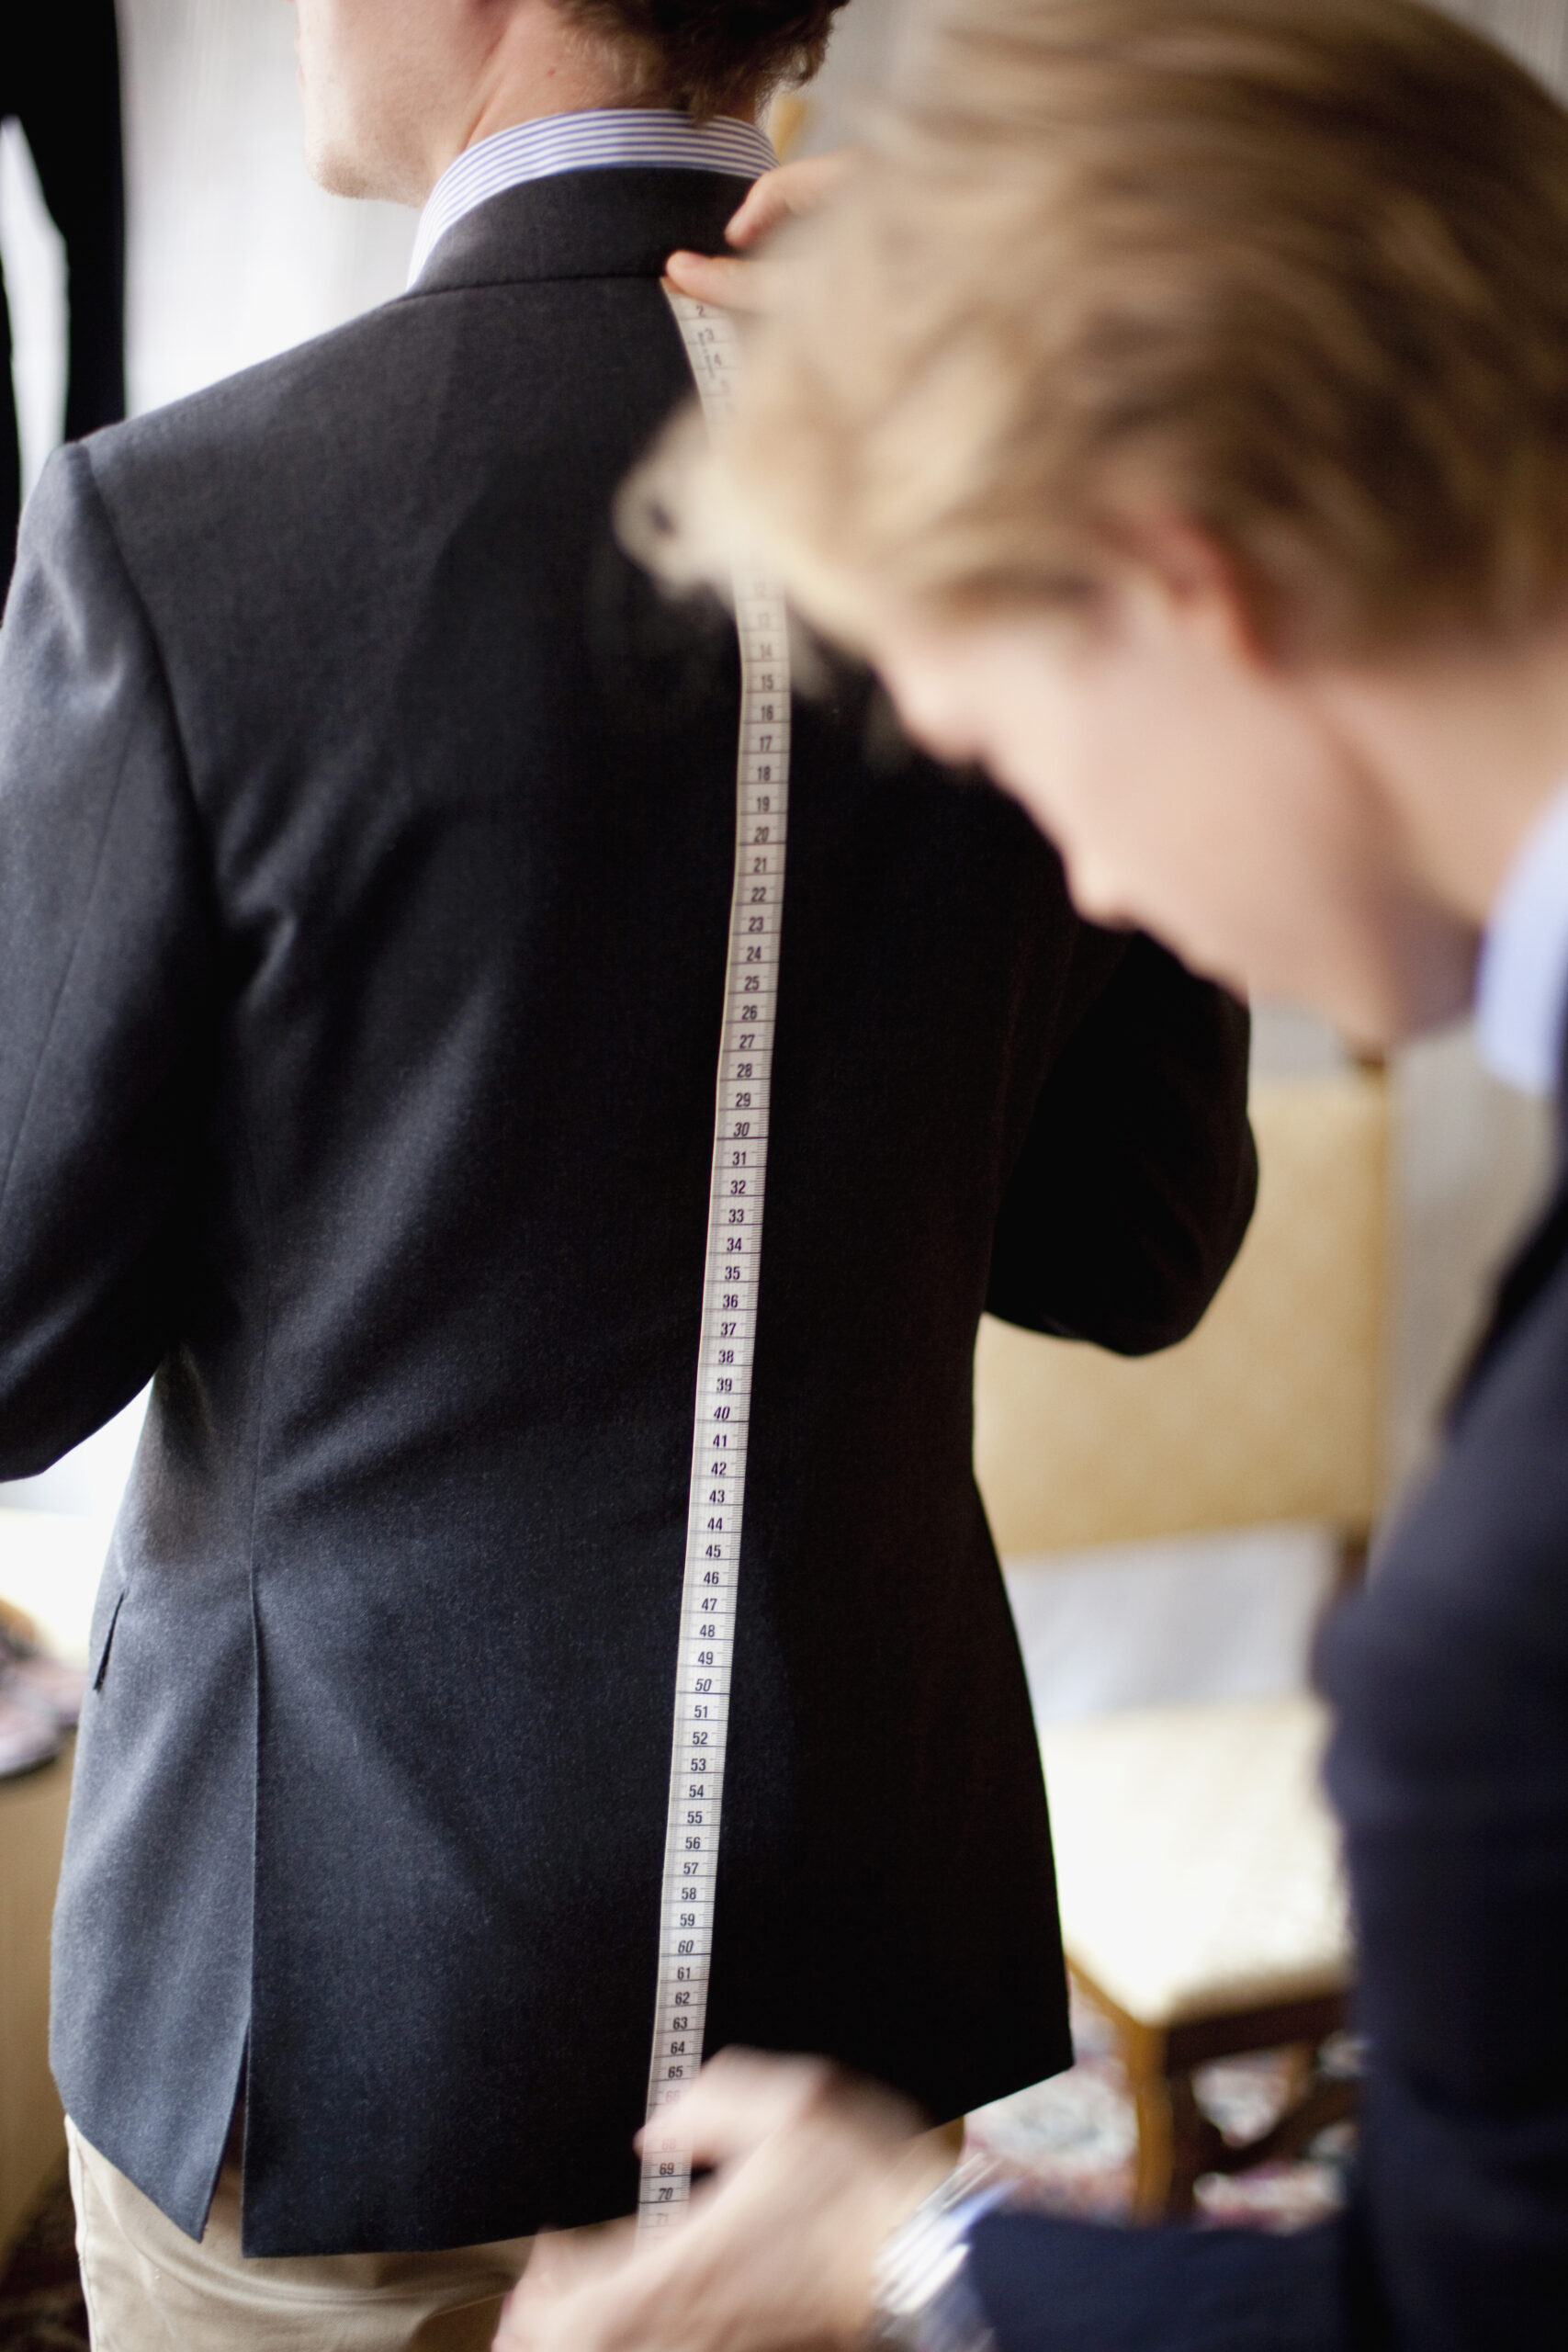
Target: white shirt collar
594, 139
1521, 994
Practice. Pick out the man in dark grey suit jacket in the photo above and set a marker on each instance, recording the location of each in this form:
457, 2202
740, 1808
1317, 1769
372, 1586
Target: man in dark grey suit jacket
365, 834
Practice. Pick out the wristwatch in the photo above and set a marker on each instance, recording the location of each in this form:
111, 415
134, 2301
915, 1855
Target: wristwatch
925, 2296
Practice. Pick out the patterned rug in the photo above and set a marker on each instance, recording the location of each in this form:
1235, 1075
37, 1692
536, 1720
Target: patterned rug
1070, 2142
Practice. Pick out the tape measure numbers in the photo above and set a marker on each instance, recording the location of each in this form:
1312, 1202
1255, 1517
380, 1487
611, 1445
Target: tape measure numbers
733, 1266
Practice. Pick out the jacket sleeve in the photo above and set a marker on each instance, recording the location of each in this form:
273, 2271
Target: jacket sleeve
1448, 1769
1058, 2286
110, 971
1136, 1179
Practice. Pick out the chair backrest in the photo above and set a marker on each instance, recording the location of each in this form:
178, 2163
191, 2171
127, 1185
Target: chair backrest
1272, 1410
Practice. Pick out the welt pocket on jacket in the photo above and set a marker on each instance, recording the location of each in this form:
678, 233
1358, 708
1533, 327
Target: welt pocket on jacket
100, 1663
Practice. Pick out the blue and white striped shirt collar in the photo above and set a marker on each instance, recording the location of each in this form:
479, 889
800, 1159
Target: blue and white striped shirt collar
598, 139
1522, 995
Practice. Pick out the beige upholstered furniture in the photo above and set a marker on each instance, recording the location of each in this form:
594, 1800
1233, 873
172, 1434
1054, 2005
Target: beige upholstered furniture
1201, 1904
49, 1569
1271, 1411
1204, 1913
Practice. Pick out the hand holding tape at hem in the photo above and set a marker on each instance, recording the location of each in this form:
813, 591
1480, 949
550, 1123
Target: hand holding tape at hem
812, 2171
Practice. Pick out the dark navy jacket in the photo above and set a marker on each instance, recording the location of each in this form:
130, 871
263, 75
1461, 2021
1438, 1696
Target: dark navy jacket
367, 823
1449, 1768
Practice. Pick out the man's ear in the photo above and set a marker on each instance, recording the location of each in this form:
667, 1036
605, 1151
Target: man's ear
1199, 581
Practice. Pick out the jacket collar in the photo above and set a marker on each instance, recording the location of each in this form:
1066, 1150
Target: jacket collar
587, 139
621, 223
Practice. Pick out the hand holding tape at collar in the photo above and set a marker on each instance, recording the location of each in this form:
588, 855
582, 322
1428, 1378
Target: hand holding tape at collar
742, 281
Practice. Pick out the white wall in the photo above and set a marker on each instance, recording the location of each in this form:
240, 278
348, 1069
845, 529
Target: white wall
233, 252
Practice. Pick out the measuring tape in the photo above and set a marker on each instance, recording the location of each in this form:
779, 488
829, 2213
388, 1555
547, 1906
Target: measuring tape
727, 1345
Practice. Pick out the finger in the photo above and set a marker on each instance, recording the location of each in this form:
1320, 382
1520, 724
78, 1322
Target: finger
727, 284
739, 2100
566, 2268
565, 2260
784, 194
596, 2319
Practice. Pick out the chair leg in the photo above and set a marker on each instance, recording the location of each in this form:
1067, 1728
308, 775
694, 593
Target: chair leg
1348, 1572
1325, 2101
1151, 2178
1169, 2125
1176, 2142
1194, 2143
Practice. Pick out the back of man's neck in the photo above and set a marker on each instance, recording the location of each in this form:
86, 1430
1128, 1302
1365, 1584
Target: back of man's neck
567, 85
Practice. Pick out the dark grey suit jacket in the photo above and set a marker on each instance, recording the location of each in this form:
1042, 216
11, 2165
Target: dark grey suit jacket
366, 827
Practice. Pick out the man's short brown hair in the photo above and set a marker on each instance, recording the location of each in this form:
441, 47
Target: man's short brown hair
708, 55
1296, 270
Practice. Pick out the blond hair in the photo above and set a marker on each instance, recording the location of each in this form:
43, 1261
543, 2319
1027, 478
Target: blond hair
1293, 270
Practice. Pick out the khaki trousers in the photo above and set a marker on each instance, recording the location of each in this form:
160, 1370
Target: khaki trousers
150, 2289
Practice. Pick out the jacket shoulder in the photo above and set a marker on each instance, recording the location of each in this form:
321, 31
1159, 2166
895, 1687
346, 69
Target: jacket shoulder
260, 413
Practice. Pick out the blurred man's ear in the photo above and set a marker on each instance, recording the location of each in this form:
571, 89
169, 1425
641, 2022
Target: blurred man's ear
1202, 582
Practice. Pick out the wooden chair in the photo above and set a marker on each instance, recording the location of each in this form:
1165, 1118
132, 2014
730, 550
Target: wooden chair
1202, 1907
